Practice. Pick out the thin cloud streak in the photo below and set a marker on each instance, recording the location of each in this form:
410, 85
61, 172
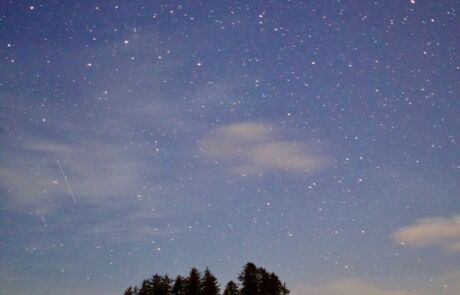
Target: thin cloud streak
348, 287
446, 284
253, 147
444, 232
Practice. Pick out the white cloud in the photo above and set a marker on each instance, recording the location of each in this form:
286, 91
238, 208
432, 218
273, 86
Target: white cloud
445, 284
140, 226
348, 287
453, 246
253, 147
106, 140
31, 174
443, 232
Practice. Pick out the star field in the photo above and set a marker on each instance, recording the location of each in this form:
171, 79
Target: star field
318, 139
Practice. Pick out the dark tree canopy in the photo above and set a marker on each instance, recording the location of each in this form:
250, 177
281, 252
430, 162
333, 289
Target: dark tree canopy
161, 285
146, 288
257, 281
209, 284
231, 289
179, 286
194, 282
129, 291
249, 280
253, 281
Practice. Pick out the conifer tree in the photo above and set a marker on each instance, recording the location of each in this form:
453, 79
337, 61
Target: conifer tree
129, 291
248, 279
179, 286
193, 282
231, 289
257, 281
156, 283
284, 290
209, 284
254, 281
166, 285
266, 285
146, 288
161, 285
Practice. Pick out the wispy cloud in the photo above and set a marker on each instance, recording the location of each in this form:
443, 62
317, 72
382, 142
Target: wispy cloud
447, 283
121, 189
348, 287
442, 232
32, 176
142, 225
115, 144
110, 150
254, 147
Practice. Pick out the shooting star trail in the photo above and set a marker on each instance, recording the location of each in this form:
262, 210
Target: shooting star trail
67, 182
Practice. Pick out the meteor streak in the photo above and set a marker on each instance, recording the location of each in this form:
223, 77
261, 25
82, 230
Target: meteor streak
67, 182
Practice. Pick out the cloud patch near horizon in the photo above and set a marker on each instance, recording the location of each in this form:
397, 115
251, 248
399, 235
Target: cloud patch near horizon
348, 287
253, 147
447, 283
438, 231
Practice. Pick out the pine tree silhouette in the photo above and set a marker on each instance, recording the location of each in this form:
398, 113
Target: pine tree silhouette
193, 282
129, 291
231, 289
161, 285
146, 288
179, 286
209, 284
254, 281
249, 281
257, 281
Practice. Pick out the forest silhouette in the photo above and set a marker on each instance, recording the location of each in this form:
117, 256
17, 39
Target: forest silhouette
252, 280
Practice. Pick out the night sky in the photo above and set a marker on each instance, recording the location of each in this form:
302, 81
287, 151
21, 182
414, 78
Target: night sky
318, 139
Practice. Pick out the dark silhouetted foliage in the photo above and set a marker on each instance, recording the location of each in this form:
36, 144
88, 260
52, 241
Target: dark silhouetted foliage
253, 281
193, 282
257, 281
249, 280
129, 291
179, 286
209, 284
146, 288
231, 289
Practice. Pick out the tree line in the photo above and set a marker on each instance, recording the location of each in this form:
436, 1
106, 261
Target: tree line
252, 280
